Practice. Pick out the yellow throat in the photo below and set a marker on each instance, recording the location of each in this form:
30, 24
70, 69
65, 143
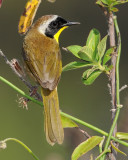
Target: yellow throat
56, 36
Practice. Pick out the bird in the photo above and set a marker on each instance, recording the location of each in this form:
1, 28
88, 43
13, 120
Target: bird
42, 56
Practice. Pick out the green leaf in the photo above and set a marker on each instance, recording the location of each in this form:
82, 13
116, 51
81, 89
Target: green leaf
86, 54
122, 135
88, 80
67, 123
107, 55
75, 65
86, 146
108, 68
111, 3
114, 9
100, 3
74, 49
108, 2
105, 1
87, 73
101, 48
117, 149
119, 2
93, 40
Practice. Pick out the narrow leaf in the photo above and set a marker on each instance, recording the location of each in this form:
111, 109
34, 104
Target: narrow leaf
84, 76
86, 146
108, 2
91, 77
117, 149
122, 135
108, 68
119, 2
100, 3
67, 123
93, 40
88, 72
74, 49
107, 55
105, 1
114, 9
75, 65
86, 54
101, 48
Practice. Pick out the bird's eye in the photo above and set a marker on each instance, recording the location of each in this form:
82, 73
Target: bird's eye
54, 24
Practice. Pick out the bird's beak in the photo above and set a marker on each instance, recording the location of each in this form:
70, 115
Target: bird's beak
70, 23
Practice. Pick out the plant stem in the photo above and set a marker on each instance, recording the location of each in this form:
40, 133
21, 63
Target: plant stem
103, 153
113, 63
19, 90
93, 128
117, 86
85, 124
101, 148
117, 62
111, 28
64, 114
21, 143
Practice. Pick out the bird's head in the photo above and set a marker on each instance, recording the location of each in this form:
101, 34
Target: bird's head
52, 25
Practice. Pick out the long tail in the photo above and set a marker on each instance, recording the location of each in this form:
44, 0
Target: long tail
52, 120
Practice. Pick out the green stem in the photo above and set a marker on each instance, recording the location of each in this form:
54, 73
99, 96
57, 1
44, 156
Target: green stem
20, 91
66, 115
94, 128
117, 87
85, 124
101, 148
21, 143
118, 61
103, 153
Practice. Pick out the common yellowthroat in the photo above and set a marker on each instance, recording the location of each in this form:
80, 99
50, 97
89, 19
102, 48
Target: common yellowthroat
42, 55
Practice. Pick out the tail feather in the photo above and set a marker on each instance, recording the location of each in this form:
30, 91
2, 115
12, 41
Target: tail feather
49, 133
52, 120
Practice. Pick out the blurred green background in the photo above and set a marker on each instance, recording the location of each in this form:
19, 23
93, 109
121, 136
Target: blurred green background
89, 103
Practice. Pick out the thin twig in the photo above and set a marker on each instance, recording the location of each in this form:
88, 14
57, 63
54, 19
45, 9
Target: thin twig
3, 143
18, 70
112, 87
112, 79
105, 11
123, 87
113, 62
118, 106
84, 132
